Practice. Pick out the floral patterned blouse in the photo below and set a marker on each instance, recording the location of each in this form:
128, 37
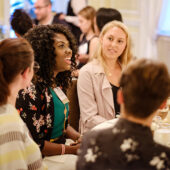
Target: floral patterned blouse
36, 108
126, 146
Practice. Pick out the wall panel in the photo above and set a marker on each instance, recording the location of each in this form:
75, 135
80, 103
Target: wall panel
1, 11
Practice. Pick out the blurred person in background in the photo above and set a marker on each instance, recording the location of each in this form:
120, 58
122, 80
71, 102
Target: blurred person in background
20, 22
44, 14
86, 24
103, 16
71, 17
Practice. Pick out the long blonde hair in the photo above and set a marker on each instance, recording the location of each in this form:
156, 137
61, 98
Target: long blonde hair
126, 56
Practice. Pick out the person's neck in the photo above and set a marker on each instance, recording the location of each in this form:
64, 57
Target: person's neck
89, 34
112, 64
145, 121
55, 73
13, 94
47, 20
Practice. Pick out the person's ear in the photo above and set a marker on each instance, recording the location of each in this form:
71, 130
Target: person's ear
163, 104
18, 35
25, 73
120, 98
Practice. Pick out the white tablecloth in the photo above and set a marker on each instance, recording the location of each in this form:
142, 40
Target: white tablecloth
61, 162
162, 136
106, 124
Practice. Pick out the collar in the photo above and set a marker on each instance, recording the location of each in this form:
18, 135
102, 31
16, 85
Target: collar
137, 128
98, 66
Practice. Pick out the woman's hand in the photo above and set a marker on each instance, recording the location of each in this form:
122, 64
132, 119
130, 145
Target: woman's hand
74, 147
75, 73
72, 133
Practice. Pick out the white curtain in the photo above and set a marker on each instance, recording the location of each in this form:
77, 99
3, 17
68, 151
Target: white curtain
154, 10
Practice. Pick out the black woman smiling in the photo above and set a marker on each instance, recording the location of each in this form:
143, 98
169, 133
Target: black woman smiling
44, 106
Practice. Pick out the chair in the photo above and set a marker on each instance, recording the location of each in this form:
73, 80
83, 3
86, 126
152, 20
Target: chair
74, 110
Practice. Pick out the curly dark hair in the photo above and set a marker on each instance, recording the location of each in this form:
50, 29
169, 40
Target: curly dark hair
21, 22
42, 40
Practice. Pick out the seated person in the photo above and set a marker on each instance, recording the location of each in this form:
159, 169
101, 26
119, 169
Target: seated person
105, 15
71, 17
44, 106
98, 81
20, 22
17, 149
45, 15
129, 145
86, 24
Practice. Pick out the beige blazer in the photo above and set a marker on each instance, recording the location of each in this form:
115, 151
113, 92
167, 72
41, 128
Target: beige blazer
95, 96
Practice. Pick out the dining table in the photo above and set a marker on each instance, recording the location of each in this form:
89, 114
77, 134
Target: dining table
61, 162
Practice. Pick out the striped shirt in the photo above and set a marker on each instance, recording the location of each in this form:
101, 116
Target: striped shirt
17, 149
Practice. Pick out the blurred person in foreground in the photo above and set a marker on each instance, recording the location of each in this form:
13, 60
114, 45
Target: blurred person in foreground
129, 145
17, 148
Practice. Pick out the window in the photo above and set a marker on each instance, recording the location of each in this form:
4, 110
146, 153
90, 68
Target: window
164, 21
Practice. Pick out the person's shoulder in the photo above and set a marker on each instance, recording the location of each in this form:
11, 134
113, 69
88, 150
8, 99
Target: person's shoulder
35, 21
95, 38
161, 149
57, 20
96, 134
91, 66
94, 41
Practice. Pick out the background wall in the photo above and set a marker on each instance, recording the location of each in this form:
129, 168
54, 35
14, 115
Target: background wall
1, 11
4, 18
141, 18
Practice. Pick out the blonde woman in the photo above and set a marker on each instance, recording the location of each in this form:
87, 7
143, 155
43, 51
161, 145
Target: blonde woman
98, 81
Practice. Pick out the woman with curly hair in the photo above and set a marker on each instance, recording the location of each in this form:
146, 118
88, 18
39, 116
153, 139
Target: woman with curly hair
44, 105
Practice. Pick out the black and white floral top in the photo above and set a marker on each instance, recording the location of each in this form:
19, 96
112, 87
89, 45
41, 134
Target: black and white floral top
127, 146
36, 108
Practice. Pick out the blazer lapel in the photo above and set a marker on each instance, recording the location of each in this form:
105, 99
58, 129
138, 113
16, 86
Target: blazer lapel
108, 95
106, 88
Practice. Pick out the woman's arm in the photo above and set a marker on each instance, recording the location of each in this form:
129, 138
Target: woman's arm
72, 133
93, 46
58, 149
89, 112
28, 105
